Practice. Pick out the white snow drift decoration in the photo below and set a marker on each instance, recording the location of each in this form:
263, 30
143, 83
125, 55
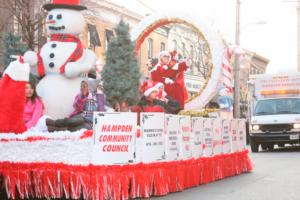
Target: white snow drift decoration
215, 45
57, 147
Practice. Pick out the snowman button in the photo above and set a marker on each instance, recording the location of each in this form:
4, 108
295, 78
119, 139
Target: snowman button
51, 55
51, 65
53, 45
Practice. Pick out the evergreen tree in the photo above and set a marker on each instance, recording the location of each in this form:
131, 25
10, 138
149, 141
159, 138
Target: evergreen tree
12, 46
121, 73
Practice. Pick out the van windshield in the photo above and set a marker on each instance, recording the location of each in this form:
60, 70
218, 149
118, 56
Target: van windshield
277, 106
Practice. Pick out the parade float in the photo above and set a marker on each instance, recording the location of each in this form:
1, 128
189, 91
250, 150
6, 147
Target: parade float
118, 159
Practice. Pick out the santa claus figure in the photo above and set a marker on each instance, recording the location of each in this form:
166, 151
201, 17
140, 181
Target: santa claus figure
170, 72
63, 60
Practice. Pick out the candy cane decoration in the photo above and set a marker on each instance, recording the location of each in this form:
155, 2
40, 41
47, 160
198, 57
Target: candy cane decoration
227, 69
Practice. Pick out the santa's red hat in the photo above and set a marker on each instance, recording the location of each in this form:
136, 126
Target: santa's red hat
13, 98
67, 4
161, 92
147, 88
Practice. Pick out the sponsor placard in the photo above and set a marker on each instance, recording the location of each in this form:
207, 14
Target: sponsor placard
226, 135
114, 137
242, 134
217, 136
207, 137
197, 134
234, 135
173, 137
185, 132
152, 129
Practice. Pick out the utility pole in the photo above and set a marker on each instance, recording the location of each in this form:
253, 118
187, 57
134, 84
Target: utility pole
236, 107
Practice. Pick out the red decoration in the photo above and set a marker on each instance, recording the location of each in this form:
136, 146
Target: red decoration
52, 180
12, 103
68, 4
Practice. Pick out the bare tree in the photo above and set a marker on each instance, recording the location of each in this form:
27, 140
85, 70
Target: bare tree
199, 55
28, 18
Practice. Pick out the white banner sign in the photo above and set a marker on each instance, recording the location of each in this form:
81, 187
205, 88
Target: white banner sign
208, 137
242, 134
226, 135
234, 135
114, 137
152, 126
217, 136
173, 137
185, 132
197, 130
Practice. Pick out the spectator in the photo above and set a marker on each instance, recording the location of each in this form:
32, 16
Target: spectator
85, 104
33, 109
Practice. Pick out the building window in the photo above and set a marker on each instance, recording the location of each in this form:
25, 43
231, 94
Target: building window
150, 48
93, 37
174, 45
109, 35
162, 46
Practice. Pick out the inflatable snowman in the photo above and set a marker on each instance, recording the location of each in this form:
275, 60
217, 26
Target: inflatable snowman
62, 61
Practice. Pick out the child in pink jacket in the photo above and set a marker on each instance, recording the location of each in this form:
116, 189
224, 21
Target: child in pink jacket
33, 110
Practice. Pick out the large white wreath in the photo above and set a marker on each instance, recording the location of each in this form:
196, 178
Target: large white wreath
148, 24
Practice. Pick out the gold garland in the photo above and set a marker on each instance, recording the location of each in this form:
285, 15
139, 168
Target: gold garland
203, 113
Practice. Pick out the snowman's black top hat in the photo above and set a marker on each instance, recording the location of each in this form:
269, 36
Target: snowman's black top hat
66, 4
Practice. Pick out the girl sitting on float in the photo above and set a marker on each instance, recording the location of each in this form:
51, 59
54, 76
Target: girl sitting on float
33, 109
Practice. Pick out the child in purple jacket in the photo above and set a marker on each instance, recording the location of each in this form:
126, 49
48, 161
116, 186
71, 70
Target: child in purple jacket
85, 104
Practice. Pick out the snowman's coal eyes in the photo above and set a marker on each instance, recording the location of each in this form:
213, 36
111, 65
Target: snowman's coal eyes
50, 17
59, 16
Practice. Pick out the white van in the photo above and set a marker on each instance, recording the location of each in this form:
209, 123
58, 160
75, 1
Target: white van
275, 113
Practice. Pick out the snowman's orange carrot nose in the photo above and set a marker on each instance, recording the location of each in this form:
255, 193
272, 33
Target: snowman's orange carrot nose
50, 22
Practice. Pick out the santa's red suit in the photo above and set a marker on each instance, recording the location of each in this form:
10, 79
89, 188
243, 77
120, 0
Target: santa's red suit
172, 76
12, 97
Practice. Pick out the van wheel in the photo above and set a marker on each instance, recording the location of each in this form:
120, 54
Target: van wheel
254, 146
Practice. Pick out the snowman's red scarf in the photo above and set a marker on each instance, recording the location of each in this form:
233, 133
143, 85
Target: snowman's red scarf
77, 53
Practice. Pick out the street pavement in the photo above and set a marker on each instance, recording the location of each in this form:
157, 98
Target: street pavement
276, 176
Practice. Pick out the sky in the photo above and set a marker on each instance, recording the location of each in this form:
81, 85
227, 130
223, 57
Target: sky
268, 27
